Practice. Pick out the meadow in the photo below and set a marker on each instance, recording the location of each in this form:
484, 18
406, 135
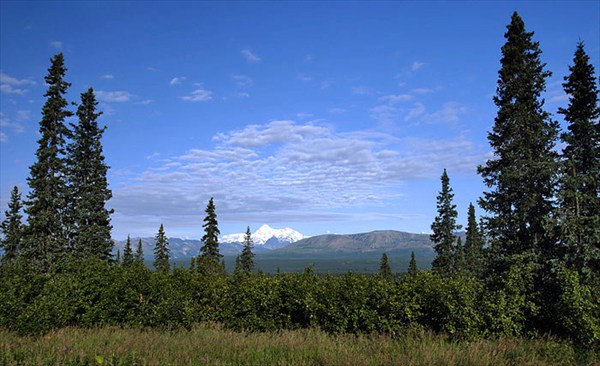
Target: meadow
211, 344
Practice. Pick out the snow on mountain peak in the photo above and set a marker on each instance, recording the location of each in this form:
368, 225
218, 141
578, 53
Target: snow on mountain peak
263, 234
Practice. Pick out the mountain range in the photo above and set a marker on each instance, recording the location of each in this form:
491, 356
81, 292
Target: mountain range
290, 243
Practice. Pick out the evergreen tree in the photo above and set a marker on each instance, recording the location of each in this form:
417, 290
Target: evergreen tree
412, 266
444, 227
46, 235
385, 270
12, 228
139, 253
246, 259
193, 264
522, 174
209, 252
579, 194
89, 224
473, 249
118, 257
128, 253
161, 251
459, 257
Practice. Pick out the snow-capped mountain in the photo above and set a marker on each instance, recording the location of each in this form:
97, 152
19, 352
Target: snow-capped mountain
266, 234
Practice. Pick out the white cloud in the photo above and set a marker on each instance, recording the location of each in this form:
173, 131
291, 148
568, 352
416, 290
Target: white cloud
177, 80
450, 113
249, 56
422, 91
361, 90
9, 89
390, 114
284, 169
416, 65
23, 115
198, 95
107, 76
385, 114
337, 110
304, 115
145, 102
14, 127
559, 98
57, 44
396, 98
242, 81
118, 96
10, 85
3, 137
417, 110
304, 78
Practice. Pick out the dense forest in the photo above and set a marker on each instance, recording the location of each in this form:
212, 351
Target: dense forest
530, 266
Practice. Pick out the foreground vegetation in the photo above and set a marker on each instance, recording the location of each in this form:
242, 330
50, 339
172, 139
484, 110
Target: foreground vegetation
93, 293
213, 345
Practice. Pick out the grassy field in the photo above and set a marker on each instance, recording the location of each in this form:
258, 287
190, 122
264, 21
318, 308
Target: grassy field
212, 345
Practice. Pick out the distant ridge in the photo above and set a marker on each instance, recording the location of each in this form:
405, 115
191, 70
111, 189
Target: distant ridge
371, 242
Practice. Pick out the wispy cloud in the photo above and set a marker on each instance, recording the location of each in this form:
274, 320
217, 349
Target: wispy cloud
177, 80
12, 85
3, 137
107, 76
304, 78
337, 110
361, 90
397, 98
242, 81
285, 168
416, 65
6, 124
390, 114
58, 45
118, 96
249, 56
198, 95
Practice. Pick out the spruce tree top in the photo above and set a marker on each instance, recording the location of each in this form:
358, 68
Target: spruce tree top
583, 113
210, 249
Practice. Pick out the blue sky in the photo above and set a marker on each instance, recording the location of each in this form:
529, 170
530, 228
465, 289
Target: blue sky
322, 116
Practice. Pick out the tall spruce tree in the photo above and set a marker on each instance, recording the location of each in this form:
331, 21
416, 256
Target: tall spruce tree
161, 251
89, 226
12, 228
246, 258
444, 230
412, 265
460, 265
579, 194
522, 174
128, 253
209, 252
46, 203
385, 270
139, 253
474, 257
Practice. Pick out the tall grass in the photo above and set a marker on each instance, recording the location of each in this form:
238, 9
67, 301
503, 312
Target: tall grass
213, 345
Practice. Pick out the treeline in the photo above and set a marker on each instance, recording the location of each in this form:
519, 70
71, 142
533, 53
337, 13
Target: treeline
530, 266
94, 293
